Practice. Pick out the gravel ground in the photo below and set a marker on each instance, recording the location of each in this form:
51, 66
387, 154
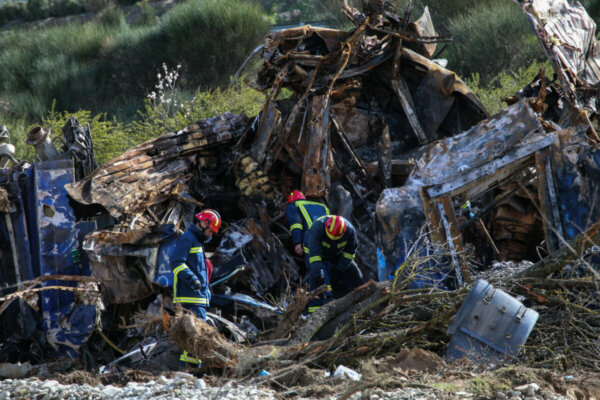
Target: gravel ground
186, 386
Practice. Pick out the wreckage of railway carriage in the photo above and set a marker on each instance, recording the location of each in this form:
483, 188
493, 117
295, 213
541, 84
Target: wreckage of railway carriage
376, 126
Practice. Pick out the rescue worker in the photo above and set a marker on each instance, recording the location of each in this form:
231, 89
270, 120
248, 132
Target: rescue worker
330, 245
190, 269
301, 214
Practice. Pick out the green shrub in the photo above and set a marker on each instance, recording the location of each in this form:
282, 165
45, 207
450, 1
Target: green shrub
39, 66
505, 84
147, 15
492, 38
111, 138
170, 109
59, 8
13, 11
112, 17
38, 8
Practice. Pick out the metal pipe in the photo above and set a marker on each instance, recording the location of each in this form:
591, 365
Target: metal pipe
39, 138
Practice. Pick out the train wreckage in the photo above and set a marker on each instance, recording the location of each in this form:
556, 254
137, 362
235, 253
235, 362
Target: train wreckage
375, 127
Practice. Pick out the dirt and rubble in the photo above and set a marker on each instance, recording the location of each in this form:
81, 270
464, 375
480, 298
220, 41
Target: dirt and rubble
443, 197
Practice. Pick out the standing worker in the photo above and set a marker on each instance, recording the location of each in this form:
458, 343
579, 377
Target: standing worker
301, 214
330, 245
190, 269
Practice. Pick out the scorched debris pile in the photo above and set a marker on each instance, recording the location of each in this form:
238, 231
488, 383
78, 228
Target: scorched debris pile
378, 129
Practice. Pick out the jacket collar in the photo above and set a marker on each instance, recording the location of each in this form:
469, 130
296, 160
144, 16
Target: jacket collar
198, 233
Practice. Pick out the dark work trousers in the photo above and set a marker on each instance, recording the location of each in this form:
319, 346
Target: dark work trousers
339, 282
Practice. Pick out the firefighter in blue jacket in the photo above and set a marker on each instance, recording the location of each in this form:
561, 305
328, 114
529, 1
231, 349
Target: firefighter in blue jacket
331, 245
190, 284
300, 214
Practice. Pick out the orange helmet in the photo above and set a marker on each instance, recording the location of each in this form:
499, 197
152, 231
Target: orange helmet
211, 217
335, 227
295, 195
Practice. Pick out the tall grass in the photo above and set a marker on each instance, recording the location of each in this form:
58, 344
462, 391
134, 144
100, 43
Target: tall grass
107, 66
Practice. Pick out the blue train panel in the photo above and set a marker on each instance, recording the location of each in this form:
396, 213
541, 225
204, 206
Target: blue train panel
59, 238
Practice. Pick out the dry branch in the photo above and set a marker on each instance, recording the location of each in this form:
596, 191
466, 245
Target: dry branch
568, 253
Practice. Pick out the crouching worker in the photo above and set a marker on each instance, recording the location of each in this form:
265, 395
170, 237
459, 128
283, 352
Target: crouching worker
190, 270
331, 246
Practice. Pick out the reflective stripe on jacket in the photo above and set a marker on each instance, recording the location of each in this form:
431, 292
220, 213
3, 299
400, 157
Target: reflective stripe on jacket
188, 264
300, 216
319, 246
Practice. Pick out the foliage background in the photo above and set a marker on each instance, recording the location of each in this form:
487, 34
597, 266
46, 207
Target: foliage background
99, 59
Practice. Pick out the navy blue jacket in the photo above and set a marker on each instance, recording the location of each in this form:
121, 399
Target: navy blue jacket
300, 216
319, 246
188, 264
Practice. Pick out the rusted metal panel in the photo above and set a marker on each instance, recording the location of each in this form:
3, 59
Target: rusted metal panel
507, 137
423, 27
270, 122
433, 217
510, 158
316, 179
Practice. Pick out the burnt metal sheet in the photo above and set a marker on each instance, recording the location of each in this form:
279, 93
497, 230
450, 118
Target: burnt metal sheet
129, 262
423, 27
149, 173
445, 161
270, 265
270, 123
408, 106
449, 81
567, 35
576, 168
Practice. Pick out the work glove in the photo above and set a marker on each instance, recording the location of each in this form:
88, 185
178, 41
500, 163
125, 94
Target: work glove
196, 285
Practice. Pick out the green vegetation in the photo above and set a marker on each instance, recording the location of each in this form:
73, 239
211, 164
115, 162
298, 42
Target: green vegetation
505, 84
491, 39
161, 114
108, 66
32, 10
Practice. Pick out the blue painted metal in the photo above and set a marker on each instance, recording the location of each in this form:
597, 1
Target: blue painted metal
67, 326
164, 274
578, 188
57, 236
490, 325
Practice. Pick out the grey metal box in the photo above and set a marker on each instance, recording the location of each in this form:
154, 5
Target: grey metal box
490, 325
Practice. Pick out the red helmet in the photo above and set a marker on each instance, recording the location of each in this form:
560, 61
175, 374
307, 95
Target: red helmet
211, 217
295, 195
335, 227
